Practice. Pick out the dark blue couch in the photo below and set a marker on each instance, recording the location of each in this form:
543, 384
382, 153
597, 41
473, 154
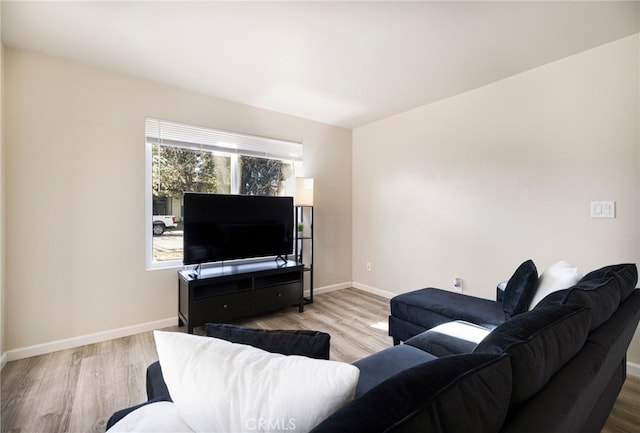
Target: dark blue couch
556, 368
568, 354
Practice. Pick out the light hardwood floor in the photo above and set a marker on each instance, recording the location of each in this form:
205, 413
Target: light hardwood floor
625, 416
77, 390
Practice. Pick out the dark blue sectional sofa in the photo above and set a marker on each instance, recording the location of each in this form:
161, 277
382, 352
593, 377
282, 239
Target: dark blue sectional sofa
556, 368
568, 354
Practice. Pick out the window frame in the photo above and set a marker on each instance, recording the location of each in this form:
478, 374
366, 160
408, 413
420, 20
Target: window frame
239, 144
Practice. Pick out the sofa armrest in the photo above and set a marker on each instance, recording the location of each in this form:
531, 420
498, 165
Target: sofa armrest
156, 387
312, 344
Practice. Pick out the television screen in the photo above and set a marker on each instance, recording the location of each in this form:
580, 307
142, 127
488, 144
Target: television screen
221, 227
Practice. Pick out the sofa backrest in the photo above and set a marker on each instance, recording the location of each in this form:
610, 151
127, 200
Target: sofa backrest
601, 290
626, 274
580, 396
460, 393
313, 344
538, 342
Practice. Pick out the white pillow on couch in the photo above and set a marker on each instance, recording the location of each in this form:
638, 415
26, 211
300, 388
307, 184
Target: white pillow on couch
218, 386
559, 276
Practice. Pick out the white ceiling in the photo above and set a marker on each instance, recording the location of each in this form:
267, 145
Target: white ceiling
340, 63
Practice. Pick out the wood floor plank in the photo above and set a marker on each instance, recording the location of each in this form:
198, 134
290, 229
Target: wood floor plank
625, 416
77, 390
50, 389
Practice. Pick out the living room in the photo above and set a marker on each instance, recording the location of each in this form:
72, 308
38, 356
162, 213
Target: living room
466, 185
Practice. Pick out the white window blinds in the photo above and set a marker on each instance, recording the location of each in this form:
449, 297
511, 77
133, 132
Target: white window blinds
195, 137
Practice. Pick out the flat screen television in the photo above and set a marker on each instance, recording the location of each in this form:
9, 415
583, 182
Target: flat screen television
219, 227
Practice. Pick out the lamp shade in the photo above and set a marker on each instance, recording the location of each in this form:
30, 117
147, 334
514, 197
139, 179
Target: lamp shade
304, 191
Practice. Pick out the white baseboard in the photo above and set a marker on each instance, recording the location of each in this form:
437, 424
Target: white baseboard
633, 369
328, 289
82, 340
374, 290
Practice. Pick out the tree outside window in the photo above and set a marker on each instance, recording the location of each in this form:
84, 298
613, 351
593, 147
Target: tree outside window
262, 176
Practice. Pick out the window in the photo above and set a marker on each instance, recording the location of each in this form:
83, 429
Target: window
184, 158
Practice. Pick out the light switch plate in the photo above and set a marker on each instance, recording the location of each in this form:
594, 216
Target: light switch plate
603, 209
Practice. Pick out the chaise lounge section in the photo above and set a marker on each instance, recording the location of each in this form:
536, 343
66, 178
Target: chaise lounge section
419, 310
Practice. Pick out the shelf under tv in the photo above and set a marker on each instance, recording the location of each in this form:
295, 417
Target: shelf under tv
225, 292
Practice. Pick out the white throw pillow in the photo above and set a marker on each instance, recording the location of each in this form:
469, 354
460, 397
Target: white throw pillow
159, 417
218, 386
559, 276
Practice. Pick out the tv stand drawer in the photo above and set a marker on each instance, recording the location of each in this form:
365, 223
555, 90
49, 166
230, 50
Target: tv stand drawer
222, 308
277, 296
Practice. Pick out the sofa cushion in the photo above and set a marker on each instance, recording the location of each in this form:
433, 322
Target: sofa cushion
598, 290
314, 344
451, 338
559, 276
626, 274
156, 386
431, 307
520, 289
460, 393
380, 366
218, 386
539, 342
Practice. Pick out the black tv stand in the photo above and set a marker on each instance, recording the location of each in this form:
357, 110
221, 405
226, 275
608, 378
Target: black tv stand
225, 292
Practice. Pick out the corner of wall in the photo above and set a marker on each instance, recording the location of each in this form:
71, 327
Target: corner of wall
3, 357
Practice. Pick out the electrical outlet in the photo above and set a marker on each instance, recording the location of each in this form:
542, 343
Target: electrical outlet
457, 284
369, 266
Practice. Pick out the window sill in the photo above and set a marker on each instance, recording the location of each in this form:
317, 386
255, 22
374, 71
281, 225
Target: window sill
173, 264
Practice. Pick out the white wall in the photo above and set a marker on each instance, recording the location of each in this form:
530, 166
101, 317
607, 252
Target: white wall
473, 185
74, 149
